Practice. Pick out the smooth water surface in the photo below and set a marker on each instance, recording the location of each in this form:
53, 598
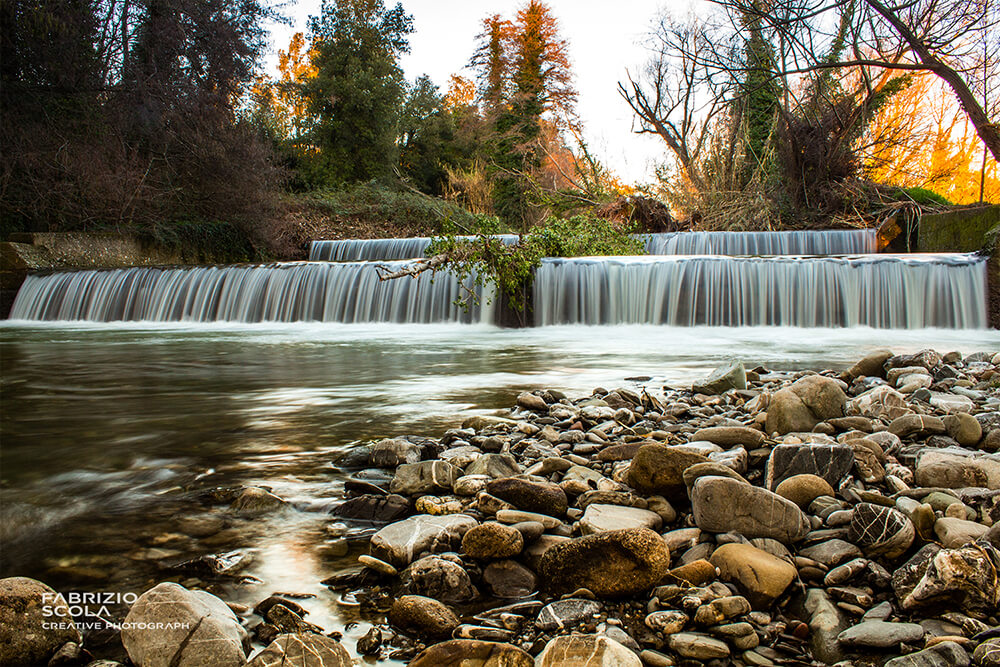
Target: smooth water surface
111, 433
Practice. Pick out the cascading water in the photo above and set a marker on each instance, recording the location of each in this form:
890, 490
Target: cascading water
826, 242
292, 292
367, 250
884, 291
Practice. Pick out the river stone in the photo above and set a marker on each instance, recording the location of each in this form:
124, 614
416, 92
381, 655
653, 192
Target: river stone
492, 540
723, 505
916, 425
987, 654
953, 468
472, 653
602, 518
303, 650
610, 564
255, 501
439, 578
929, 359
399, 543
945, 654
510, 579
529, 496
659, 469
786, 413
953, 403
32, 625
881, 634
868, 457
826, 622
731, 375
494, 466
831, 553
374, 508
625, 451
392, 452
729, 436
964, 428
880, 531
413, 479
871, 365
586, 651
565, 613
966, 576
831, 462
422, 615
532, 402
194, 628
709, 469
958, 532
803, 489
698, 647
760, 576
882, 402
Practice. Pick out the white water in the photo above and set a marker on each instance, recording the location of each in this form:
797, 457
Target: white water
827, 242
292, 292
882, 291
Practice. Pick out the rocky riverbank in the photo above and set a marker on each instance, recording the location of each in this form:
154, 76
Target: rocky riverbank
757, 518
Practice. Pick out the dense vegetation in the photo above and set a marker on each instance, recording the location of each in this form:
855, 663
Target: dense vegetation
153, 117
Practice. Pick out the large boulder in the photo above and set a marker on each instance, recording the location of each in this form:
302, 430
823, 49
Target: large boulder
804, 404
303, 650
401, 542
171, 626
722, 505
612, 564
34, 622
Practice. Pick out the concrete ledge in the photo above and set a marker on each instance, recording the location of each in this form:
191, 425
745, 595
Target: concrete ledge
961, 230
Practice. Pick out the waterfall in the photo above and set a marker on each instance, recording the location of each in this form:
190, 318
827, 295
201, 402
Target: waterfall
884, 291
367, 250
825, 242
288, 292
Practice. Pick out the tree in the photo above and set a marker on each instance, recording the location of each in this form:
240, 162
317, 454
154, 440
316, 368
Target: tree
358, 89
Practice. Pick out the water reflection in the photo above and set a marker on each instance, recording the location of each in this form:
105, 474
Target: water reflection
112, 433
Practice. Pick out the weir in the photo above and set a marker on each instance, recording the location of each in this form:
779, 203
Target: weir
883, 291
827, 242
290, 292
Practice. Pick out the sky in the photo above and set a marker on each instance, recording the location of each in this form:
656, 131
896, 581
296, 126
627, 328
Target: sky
604, 36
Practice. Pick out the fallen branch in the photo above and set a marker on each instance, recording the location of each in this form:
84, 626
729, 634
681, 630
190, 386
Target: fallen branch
413, 270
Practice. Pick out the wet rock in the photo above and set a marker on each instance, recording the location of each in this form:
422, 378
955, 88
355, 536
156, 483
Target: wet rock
760, 576
492, 540
401, 542
414, 479
803, 489
871, 365
494, 466
32, 624
472, 653
612, 564
722, 505
439, 578
393, 452
916, 425
510, 579
881, 634
958, 532
423, 616
952, 403
529, 496
303, 650
374, 508
831, 553
566, 613
826, 622
729, 436
586, 651
786, 413
880, 531
945, 654
906, 577
660, 469
955, 468
698, 647
830, 462
255, 501
882, 402
964, 428
194, 628
987, 654
601, 518
966, 576
532, 402
731, 375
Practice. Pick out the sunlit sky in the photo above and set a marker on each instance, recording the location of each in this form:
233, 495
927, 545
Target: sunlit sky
605, 37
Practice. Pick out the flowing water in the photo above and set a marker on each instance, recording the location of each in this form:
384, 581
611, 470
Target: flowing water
111, 433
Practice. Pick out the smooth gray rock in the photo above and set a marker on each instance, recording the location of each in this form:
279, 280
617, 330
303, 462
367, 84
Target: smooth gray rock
881, 634
722, 505
566, 613
414, 479
945, 654
401, 542
731, 375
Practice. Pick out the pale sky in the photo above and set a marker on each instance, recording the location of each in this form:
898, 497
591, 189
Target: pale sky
604, 39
